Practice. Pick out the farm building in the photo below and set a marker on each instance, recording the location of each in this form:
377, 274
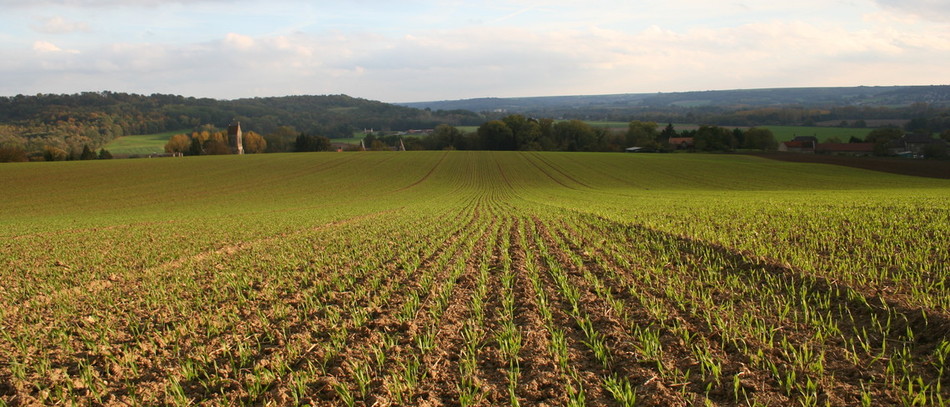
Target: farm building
915, 145
796, 147
681, 143
800, 144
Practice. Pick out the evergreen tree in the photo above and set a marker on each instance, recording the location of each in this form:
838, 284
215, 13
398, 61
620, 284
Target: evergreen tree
306, 143
87, 153
668, 131
195, 148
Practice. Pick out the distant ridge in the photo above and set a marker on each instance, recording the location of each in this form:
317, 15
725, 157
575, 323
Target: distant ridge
891, 96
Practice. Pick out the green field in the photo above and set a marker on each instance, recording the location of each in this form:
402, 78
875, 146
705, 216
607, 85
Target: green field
143, 144
472, 278
786, 133
348, 140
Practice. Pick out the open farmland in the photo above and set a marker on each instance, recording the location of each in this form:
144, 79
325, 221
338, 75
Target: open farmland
822, 133
142, 144
472, 278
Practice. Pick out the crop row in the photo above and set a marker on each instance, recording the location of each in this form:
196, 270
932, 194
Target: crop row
487, 279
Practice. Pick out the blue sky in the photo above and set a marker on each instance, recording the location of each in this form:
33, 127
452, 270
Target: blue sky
418, 50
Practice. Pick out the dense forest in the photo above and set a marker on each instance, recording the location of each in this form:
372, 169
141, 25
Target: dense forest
89, 120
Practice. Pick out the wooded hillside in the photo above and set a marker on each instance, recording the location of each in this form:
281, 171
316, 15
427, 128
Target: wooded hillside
72, 122
741, 107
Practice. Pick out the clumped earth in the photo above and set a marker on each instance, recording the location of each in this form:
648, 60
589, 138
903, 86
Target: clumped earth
904, 166
460, 278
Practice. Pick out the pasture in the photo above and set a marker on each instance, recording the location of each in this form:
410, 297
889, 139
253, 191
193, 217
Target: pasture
786, 133
472, 278
142, 144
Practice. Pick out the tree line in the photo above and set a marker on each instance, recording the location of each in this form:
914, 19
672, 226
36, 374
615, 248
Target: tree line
211, 141
517, 132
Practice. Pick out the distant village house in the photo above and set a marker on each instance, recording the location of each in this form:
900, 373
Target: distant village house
800, 144
915, 145
681, 143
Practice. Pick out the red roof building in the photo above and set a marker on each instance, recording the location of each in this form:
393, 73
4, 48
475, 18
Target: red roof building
797, 146
681, 142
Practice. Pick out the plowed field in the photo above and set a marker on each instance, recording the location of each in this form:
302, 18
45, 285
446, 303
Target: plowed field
472, 278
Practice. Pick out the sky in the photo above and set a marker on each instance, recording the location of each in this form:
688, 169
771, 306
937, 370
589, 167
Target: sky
422, 50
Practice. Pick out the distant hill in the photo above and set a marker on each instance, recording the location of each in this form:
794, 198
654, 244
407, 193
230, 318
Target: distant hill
75, 122
141, 114
71, 122
862, 96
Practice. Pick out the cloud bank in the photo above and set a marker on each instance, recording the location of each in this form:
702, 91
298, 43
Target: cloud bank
60, 25
510, 52
935, 10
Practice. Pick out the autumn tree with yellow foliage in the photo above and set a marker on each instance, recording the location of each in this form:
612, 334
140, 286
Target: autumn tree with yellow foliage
254, 143
178, 144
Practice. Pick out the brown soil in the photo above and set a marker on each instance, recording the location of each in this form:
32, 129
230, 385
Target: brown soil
541, 381
646, 268
930, 327
903, 166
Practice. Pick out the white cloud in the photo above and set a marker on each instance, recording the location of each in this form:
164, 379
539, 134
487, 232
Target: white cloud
102, 3
515, 56
45, 47
59, 25
239, 41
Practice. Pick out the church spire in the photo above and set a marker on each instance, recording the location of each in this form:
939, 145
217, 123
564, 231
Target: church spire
235, 137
